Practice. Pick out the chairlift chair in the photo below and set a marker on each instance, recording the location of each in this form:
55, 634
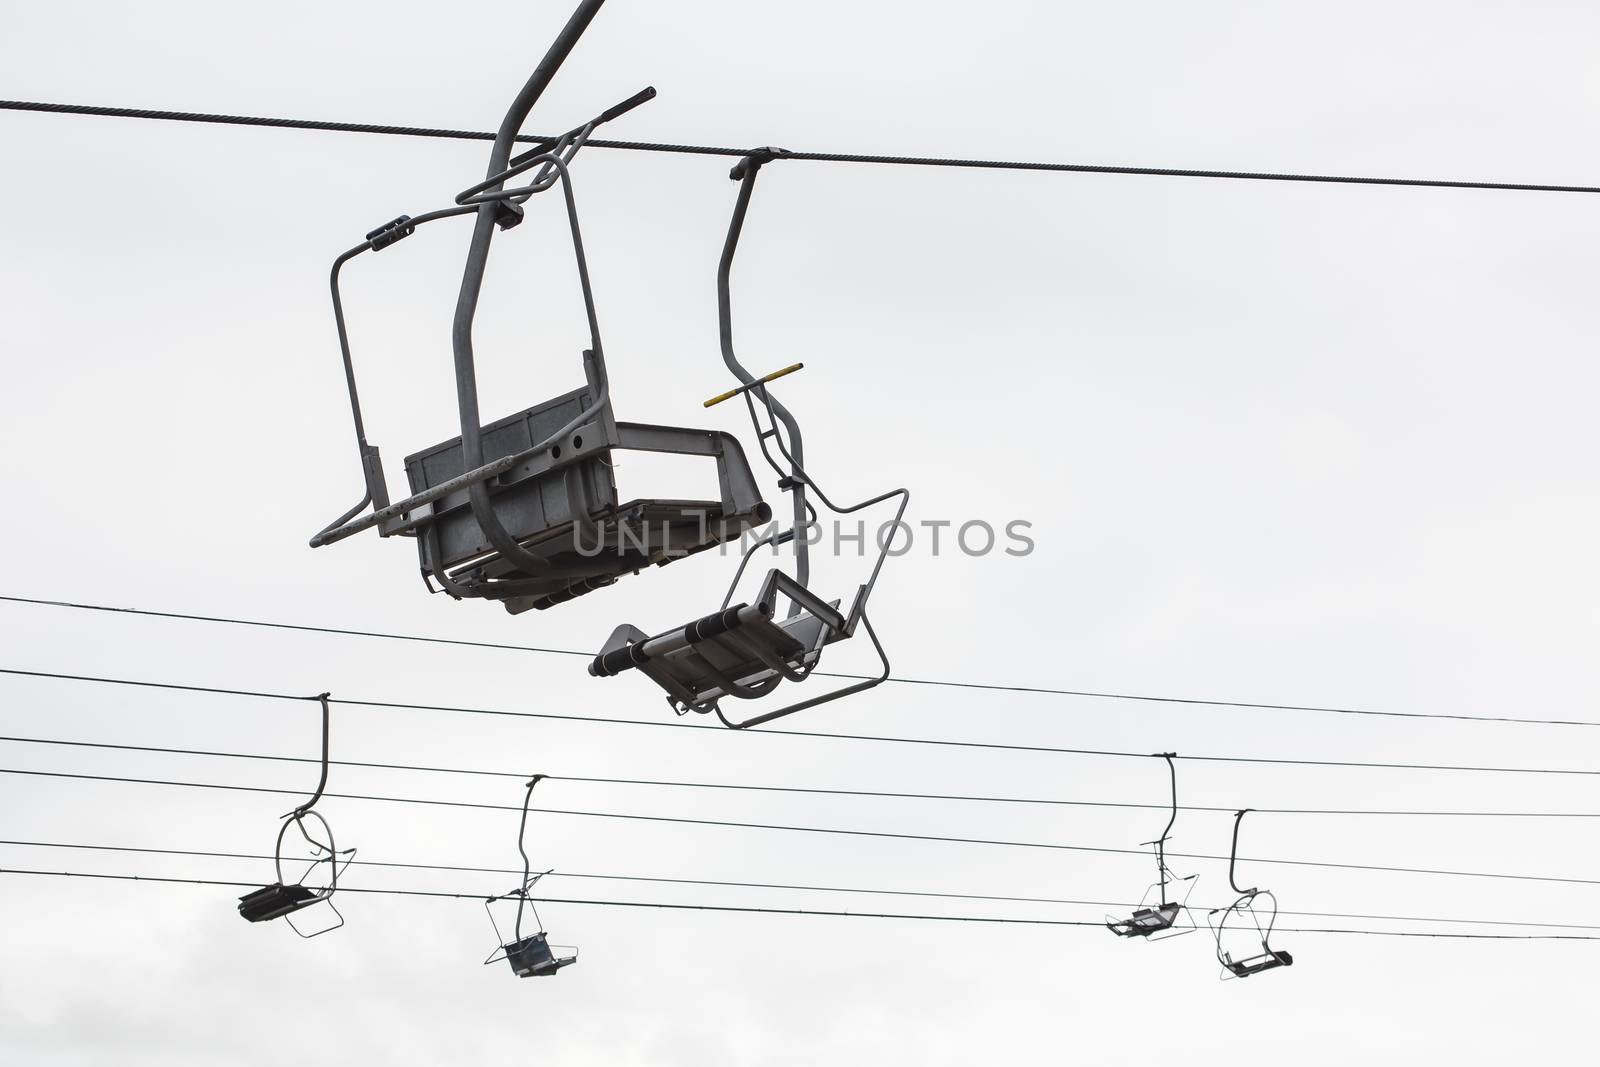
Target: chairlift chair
1266, 960
1147, 921
281, 898
525, 510
531, 955
746, 650
1158, 918
1244, 909
275, 901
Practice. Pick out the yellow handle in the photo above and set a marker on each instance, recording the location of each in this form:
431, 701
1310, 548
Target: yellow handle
774, 376
719, 398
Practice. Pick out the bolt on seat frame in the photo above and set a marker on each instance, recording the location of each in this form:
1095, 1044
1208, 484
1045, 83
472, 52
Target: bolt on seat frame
530, 956
525, 510
281, 899
1242, 909
1157, 919
746, 650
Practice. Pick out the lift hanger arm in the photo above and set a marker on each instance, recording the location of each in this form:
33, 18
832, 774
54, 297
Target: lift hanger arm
1233, 853
472, 285
1161, 842
752, 387
322, 781
745, 174
527, 865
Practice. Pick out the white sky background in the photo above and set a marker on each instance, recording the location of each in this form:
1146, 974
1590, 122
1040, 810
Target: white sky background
1278, 442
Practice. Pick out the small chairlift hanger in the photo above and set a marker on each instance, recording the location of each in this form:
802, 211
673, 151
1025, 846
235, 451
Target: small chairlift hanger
524, 510
1158, 917
1246, 909
746, 650
281, 899
532, 956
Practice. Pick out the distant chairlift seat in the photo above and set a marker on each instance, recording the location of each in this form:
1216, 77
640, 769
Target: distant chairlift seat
1265, 961
1247, 907
1155, 914
1147, 921
282, 898
277, 900
532, 957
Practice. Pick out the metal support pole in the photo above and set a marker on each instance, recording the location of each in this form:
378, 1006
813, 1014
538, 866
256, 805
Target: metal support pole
472, 284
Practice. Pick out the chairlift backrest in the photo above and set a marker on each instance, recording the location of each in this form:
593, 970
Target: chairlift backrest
529, 506
1266, 961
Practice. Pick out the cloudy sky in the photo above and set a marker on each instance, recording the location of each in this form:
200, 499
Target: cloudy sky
1280, 443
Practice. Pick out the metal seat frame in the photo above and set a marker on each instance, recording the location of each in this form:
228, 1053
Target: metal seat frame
1158, 919
1245, 908
281, 898
745, 651
525, 510
531, 955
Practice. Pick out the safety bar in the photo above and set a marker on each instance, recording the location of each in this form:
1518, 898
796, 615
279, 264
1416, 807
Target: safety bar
427, 496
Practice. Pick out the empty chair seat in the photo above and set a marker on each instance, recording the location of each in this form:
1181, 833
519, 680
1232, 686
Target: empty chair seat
739, 651
1266, 961
560, 506
1147, 921
276, 900
532, 957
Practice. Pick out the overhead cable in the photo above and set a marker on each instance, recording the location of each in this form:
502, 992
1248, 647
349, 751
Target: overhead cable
819, 157
457, 868
1446, 935
806, 790
829, 830
772, 733
1000, 687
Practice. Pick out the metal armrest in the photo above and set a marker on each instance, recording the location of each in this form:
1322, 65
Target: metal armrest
779, 582
740, 494
801, 705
